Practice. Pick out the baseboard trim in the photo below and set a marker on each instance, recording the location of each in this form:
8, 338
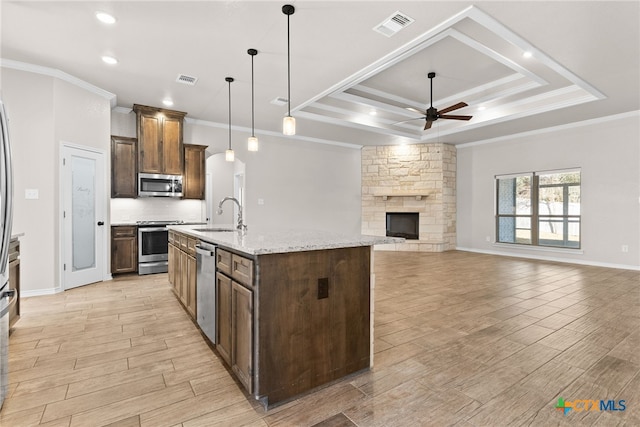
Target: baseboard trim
39, 292
551, 258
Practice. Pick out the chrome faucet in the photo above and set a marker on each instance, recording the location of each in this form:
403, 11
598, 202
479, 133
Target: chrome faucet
241, 225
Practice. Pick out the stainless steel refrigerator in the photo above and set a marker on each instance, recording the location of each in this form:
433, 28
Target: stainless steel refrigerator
7, 297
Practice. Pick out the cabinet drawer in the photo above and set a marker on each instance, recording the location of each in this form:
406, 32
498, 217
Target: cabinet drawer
124, 231
172, 237
183, 242
242, 270
223, 261
191, 246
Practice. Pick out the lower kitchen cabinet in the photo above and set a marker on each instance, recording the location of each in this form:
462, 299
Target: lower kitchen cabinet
242, 334
191, 286
223, 311
235, 315
124, 249
182, 270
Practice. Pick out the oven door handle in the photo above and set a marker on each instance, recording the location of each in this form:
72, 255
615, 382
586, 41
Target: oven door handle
150, 229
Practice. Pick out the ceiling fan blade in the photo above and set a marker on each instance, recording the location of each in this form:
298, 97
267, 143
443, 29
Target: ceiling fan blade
454, 117
427, 125
453, 107
409, 120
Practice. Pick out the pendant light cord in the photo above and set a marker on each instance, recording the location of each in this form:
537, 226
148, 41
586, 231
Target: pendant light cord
288, 66
252, 101
229, 114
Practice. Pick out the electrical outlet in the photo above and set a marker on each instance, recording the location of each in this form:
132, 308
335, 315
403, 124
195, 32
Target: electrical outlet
488, 238
260, 201
323, 288
625, 248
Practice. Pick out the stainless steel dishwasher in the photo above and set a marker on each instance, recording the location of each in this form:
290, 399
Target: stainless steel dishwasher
206, 288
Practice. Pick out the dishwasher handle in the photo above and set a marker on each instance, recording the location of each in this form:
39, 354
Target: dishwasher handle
206, 252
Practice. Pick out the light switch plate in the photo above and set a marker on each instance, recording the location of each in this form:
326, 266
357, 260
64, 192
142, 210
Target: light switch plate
31, 194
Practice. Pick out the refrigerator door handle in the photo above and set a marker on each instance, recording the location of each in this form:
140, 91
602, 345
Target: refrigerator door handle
6, 189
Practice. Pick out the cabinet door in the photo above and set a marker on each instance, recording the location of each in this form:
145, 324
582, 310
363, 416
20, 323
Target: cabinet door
124, 163
191, 286
124, 254
149, 143
177, 271
242, 334
194, 172
172, 150
184, 277
223, 288
171, 268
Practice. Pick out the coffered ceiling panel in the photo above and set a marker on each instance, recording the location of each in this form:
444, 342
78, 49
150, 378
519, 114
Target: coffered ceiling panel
350, 85
477, 60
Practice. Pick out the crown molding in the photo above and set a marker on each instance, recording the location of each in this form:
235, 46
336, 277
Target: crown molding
572, 125
61, 75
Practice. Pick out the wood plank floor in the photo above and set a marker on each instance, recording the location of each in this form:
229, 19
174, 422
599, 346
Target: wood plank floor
460, 339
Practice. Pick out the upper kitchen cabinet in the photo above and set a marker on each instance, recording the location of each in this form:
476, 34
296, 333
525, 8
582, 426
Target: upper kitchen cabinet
194, 172
160, 146
124, 161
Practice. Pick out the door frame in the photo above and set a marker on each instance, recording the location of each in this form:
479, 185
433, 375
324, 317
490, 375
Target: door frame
106, 270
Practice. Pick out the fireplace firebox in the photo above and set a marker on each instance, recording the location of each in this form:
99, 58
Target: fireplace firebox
403, 224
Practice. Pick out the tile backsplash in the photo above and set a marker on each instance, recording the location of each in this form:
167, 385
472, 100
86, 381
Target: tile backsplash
156, 209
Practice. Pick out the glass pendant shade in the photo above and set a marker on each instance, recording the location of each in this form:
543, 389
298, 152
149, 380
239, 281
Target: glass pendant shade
252, 143
289, 125
229, 156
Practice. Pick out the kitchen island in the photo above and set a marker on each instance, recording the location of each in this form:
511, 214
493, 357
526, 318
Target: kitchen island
294, 308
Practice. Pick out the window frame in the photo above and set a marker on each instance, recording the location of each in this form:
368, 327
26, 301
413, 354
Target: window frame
534, 215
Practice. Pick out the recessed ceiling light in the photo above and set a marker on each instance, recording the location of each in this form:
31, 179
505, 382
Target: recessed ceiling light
481, 108
109, 60
373, 112
105, 17
167, 102
527, 54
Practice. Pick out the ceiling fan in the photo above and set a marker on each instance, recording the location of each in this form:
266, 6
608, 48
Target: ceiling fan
432, 114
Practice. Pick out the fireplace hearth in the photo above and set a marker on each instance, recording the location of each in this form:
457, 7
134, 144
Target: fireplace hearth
403, 224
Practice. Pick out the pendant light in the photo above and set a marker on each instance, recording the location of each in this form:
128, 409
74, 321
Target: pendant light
252, 142
288, 123
229, 155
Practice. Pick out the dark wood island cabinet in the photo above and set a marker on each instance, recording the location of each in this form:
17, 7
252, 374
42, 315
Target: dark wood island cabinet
291, 317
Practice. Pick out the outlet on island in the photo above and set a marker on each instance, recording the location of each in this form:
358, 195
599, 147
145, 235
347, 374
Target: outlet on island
323, 288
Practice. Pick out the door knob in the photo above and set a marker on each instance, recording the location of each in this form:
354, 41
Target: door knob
100, 222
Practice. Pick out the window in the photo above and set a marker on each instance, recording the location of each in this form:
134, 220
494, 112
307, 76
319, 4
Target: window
539, 208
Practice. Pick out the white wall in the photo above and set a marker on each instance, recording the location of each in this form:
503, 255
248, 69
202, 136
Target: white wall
44, 111
608, 154
303, 185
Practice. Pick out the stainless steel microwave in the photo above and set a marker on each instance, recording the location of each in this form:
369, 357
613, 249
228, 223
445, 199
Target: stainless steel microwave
156, 185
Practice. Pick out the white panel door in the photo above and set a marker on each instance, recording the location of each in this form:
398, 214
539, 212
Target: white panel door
83, 192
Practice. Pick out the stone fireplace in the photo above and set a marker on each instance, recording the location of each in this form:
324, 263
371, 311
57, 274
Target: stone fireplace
411, 179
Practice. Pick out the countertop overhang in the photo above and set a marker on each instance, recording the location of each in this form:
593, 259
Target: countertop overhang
261, 242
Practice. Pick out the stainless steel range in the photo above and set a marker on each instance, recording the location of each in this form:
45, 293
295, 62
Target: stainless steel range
153, 246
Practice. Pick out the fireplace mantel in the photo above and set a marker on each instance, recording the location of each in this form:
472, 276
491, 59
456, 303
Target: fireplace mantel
387, 194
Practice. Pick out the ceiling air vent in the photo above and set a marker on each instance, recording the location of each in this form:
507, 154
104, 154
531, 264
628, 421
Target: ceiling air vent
279, 101
393, 24
187, 80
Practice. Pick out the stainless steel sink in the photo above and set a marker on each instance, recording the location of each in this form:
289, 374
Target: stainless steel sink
214, 230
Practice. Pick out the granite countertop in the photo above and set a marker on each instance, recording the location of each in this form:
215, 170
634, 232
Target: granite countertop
16, 235
261, 242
